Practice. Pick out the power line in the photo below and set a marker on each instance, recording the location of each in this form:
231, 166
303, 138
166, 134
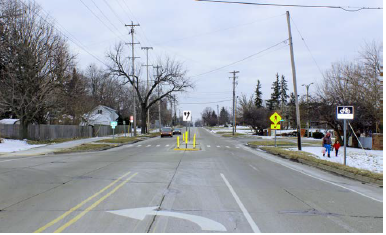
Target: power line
211, 71
115, 13
104, 15
304, 41
218, 30
220, 101
99, 18
69, 38
348, 8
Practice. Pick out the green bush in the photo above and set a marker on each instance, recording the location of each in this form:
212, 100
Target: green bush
317, 135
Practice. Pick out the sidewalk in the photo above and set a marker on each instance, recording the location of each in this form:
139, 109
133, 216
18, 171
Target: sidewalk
52, 147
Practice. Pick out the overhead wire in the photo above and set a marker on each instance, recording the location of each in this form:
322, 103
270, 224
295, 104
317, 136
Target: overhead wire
68, 37
304, 41
220, 101
245, 58
353, 9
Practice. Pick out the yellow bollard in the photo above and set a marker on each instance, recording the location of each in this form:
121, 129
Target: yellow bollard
178, 142
194, 141
183, 137
186, 138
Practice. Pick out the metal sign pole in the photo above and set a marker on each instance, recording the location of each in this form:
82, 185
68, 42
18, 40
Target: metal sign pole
345, 141
275, 139
113, 133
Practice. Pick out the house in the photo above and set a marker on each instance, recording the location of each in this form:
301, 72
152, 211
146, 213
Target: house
10, 121
100, 115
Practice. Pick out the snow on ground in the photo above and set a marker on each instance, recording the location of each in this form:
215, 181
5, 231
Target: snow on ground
16, 145
357, 158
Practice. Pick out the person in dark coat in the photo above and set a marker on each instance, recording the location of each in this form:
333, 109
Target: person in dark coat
327, 143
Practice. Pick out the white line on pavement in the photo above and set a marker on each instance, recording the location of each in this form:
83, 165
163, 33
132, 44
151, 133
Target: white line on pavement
327, 181
167, 145
218, 146
208, 146
237, 147
253, 167
242, 207
148, 146
139, 145
227, 147
158, 145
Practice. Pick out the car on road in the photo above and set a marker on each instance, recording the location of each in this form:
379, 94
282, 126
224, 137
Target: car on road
166, 131
177, 131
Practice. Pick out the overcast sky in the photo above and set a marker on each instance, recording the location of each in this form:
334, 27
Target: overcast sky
207, 36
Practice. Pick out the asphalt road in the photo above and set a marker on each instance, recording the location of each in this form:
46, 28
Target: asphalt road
149, 187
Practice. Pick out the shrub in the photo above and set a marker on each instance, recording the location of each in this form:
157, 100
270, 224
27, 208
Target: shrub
317, 135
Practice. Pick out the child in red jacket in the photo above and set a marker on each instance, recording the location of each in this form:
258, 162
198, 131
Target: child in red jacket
336, 147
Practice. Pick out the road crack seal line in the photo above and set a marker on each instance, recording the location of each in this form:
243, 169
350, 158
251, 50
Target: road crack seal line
165, 193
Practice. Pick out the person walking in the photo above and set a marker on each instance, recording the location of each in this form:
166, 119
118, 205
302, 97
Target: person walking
336, 147
327, 144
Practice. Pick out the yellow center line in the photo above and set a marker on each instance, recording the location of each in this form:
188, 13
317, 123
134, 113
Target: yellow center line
79, 205
76, 218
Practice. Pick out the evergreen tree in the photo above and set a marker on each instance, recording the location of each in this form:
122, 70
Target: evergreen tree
224, 116
274, 102
283, 92
258, 93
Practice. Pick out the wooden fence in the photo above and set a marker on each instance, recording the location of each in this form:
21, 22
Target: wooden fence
50, 132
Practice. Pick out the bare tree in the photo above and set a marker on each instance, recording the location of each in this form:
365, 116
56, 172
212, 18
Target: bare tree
34, 61
171, 77
353, 83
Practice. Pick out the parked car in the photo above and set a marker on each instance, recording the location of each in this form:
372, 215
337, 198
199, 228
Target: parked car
177, 131
166, 131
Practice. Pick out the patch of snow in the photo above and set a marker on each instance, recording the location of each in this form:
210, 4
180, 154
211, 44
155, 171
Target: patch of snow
16, 145
9, 121
357, 158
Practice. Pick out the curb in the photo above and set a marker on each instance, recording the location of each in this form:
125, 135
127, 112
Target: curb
337, 171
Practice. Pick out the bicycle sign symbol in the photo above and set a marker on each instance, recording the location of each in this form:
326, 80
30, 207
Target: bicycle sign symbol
345, 112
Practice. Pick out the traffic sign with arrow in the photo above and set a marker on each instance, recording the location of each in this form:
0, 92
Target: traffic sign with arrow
187, 116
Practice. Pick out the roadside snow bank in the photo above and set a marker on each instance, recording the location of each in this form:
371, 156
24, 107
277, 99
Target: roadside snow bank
357, 158
16, 145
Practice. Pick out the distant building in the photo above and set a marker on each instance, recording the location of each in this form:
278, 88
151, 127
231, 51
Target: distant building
10, 121
100, 115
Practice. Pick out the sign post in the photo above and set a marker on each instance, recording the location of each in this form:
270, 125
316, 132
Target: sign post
131, 125
345, 113
113, 124
124, 127
275, 118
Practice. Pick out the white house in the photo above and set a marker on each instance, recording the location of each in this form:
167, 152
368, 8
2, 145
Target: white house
100, 115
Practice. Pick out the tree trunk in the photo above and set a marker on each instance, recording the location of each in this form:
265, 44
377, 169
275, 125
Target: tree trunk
143, 118
23, 129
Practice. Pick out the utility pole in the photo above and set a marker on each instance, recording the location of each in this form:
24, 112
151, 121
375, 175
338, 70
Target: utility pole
175, 111
147, 85
298, 127
159, 101
218, 116
132, 25
308, 110
234, 100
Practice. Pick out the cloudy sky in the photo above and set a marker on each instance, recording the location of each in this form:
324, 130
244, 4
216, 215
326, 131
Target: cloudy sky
207, 37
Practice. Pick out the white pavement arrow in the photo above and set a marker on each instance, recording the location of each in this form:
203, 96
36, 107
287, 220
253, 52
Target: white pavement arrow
140, 214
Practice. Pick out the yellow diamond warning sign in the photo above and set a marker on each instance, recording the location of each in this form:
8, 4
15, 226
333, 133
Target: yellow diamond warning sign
275, 118
275, 126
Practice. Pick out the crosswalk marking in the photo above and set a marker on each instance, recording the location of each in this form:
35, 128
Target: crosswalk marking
148, 146
208, 146
139, 145
218, 146
158, 145
167, 145
237, 147
227, 147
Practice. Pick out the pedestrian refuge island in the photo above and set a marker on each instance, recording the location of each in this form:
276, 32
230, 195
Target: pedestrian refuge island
186, 144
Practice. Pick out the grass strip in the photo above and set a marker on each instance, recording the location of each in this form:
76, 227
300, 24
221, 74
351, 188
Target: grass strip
86, 148
54, 141
119, 140
271, 143
229, 134
309, 158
